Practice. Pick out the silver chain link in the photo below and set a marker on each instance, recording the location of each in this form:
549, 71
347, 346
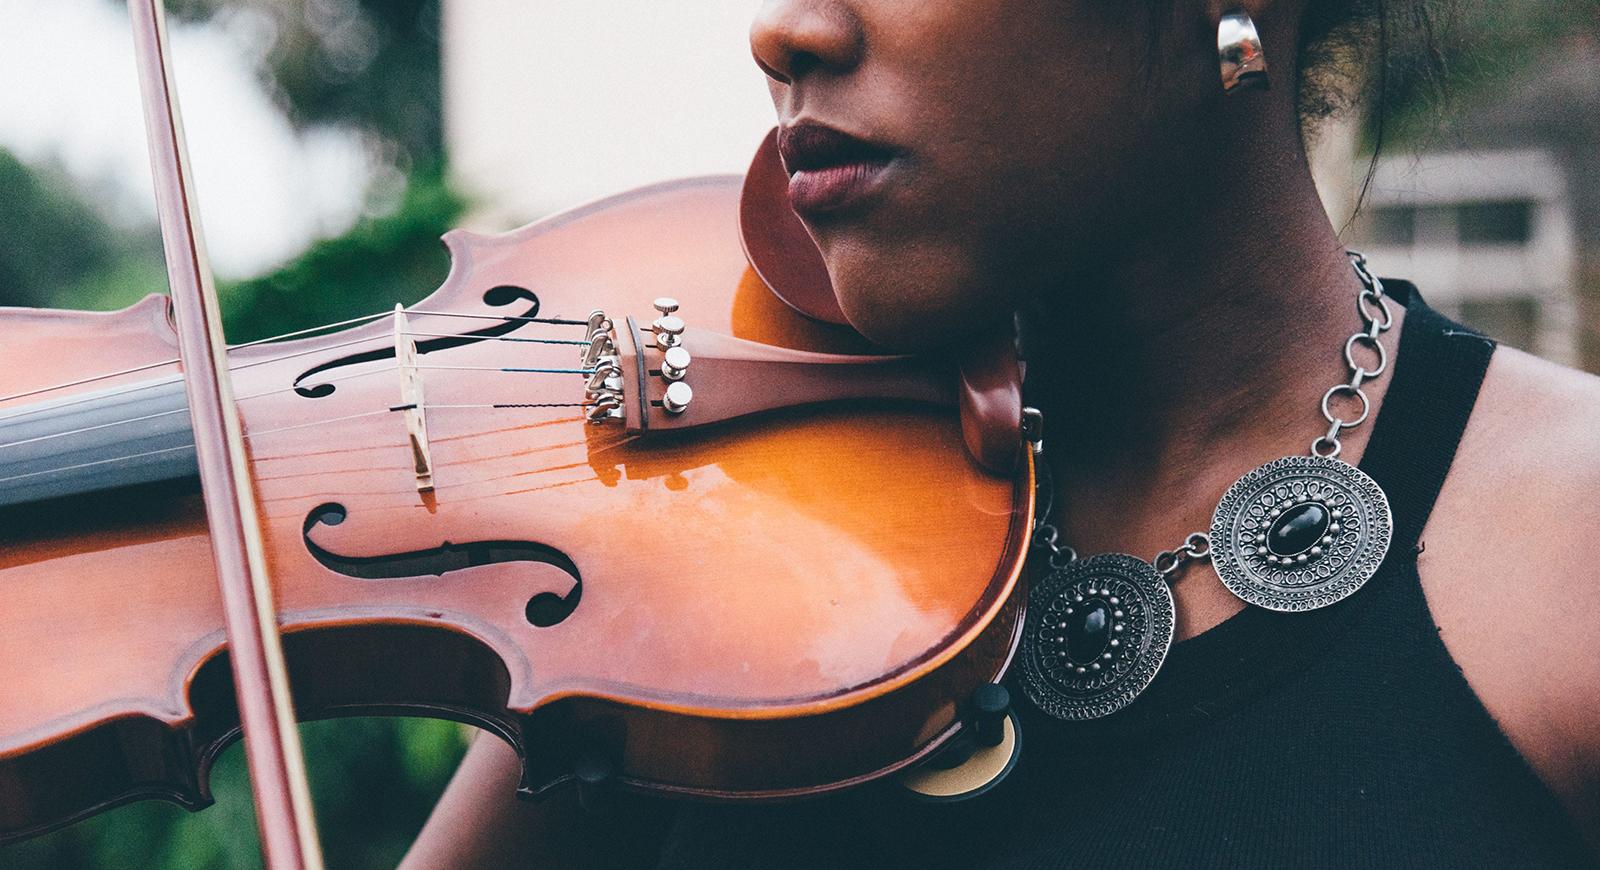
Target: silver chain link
1196, 546
1376, 318
1046, 538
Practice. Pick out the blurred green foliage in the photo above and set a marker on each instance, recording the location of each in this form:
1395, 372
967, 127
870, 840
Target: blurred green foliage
373, 780
371, 65
381, 261
72, 257
1451, 54
61, 250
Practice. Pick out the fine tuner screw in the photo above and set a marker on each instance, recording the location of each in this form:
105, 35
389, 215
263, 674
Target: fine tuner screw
669, 331
668, 328
677, 397
675, 363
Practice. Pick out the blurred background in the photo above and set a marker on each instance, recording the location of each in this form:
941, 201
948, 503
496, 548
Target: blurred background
334, 141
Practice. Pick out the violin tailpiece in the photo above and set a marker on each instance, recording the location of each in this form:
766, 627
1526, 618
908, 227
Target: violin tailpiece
686, 378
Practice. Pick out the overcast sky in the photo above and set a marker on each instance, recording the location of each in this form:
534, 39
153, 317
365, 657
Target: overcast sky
70, 93
550, 104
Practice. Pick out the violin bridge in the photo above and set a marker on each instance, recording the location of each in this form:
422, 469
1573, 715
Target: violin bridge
411, 401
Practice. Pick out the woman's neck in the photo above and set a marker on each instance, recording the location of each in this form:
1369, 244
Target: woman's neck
1197, 352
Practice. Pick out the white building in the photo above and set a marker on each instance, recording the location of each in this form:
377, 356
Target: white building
1500, 223
1489, 236
554, 103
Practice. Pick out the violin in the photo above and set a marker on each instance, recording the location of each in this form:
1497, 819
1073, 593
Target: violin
713, 545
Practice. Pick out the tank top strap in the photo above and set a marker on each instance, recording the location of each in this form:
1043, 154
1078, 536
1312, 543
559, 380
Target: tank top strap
1424, 412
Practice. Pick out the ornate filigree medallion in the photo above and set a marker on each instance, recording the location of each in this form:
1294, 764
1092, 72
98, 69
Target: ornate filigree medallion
1299, 533
1096, 632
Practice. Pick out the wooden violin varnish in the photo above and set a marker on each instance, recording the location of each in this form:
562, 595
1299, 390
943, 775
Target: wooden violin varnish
606, 494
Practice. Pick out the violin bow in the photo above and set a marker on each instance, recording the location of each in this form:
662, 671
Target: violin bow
261, 681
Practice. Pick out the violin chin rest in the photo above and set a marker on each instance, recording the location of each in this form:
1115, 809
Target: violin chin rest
978, 773
783, 254
777, 244
990, 397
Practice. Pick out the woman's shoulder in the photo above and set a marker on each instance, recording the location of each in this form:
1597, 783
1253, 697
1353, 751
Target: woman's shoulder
1511, 566
1529, 464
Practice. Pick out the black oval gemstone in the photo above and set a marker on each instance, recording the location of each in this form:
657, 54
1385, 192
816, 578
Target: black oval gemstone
1088, 631
1298, 529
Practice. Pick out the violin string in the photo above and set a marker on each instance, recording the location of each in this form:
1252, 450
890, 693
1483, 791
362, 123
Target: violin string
610, 441
159, 383
168, 413
293, 354
509, 369
322, 422
426, 406
572, 341
555, 321
295, 334
509, 405
257, 434
30, 411
80, 431
167, 362
457, 483
92, 463
277, 391
347, 377
134, 388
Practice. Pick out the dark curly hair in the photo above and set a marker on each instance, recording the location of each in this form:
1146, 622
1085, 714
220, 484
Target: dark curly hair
1381, 55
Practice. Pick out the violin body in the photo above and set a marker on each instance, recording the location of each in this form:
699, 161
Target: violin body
768, 606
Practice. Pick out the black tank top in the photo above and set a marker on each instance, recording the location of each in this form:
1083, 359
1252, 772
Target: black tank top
1342, 737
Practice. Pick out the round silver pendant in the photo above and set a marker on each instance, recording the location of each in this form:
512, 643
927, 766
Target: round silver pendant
1095, 634
1299, 533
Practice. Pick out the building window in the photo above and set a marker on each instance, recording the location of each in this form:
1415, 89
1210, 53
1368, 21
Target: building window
1495, 223
1492, 222
1510, 320
1394, 225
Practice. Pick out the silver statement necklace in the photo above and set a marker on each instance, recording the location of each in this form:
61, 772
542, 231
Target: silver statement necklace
1298, 533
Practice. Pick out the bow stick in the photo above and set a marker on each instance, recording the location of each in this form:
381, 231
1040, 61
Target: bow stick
272, 745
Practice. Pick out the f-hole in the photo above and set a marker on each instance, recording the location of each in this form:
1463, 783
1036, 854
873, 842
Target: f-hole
497, 297
544, 609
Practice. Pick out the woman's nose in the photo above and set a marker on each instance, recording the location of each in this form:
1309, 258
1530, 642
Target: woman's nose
791, 38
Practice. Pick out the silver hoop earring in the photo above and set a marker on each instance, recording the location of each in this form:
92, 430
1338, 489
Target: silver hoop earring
1244, 67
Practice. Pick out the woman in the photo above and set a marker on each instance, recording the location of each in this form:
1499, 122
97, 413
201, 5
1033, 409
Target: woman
1185, 299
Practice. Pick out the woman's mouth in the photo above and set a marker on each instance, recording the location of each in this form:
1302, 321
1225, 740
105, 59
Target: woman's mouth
830, 170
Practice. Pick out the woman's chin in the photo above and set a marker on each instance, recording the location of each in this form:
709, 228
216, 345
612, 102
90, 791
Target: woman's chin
921, 297
910, 325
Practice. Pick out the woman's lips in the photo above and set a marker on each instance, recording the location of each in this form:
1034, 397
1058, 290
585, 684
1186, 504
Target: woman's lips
814, 191
830, 170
